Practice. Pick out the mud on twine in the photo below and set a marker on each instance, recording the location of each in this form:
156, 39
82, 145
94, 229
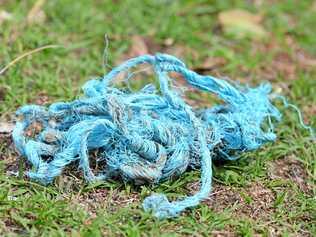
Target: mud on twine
147, 136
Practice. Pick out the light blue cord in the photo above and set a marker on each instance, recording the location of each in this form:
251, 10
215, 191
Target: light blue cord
146, 137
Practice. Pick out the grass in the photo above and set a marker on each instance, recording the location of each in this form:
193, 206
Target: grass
270, 192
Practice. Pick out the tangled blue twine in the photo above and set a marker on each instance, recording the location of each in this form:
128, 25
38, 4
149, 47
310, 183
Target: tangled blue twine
147, 136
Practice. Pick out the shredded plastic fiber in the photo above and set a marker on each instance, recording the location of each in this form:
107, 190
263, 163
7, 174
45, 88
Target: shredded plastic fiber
150, 135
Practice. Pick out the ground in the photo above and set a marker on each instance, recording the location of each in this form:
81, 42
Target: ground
270, 192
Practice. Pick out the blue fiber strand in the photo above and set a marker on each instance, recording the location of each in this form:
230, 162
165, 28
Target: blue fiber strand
150, 135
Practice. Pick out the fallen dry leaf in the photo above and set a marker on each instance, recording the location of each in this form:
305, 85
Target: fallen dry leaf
181, 51
36, 15
139, 46
305, 60
6, 127
168, 42
242, 23
5, 16
176, 50
210, 63
285, 65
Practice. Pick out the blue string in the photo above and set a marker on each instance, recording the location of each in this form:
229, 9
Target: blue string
147, 137
299, 113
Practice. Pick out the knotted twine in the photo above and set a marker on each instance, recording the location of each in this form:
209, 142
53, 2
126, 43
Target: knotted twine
147, 136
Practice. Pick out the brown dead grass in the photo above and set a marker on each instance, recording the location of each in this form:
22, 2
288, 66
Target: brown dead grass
105, 199
254, 201
292, 169
8, 154
283, 64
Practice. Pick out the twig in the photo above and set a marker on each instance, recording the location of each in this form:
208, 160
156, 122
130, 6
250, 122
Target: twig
27, 54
